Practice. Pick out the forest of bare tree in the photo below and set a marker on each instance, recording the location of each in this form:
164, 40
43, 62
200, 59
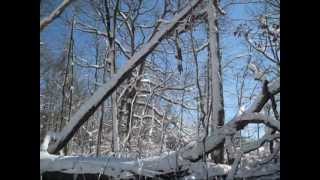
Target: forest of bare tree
160, 89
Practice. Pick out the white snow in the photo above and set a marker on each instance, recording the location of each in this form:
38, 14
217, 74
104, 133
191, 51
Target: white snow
242, 109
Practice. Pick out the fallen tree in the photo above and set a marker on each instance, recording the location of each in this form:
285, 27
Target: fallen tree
90, 106
172, 162
182, 163
156, 166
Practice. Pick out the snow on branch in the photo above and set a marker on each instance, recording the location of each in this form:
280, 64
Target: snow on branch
273, 88
168, 99
272, 156
90, 106
246, 118
194, 150
47, 20
260, 50
84, 63
170, 162
46, 141
258, 73
260, 142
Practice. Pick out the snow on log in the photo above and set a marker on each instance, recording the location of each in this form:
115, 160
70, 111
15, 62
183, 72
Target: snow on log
126, 168
158, 166
90, 106
260, 171
199, 170
167, 163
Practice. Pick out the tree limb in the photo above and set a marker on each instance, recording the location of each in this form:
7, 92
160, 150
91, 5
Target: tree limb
90, 106
54, 14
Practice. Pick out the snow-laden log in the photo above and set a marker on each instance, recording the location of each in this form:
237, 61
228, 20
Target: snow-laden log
90, 106
167, 163
201, 170
164, 166
272, 170
125, 168
109, 166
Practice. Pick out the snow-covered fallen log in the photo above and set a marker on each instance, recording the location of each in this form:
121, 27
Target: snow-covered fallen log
163, 166
272, 170
156, 165
109, 166
127, 168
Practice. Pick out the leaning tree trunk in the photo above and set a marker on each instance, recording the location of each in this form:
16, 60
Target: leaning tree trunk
217, 117
66, 101
90, 106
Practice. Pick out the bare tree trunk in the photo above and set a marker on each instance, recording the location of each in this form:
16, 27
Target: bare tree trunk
66, 102
115, 122
217, 118
115, 132
102, 105
111, 58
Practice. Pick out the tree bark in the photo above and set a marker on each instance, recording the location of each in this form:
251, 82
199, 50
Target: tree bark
102, 105
217, 117
115, 130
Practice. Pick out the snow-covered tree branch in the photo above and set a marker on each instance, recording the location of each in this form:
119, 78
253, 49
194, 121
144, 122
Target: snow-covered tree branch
160, 89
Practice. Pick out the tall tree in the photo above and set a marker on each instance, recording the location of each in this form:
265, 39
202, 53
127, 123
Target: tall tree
217, 117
